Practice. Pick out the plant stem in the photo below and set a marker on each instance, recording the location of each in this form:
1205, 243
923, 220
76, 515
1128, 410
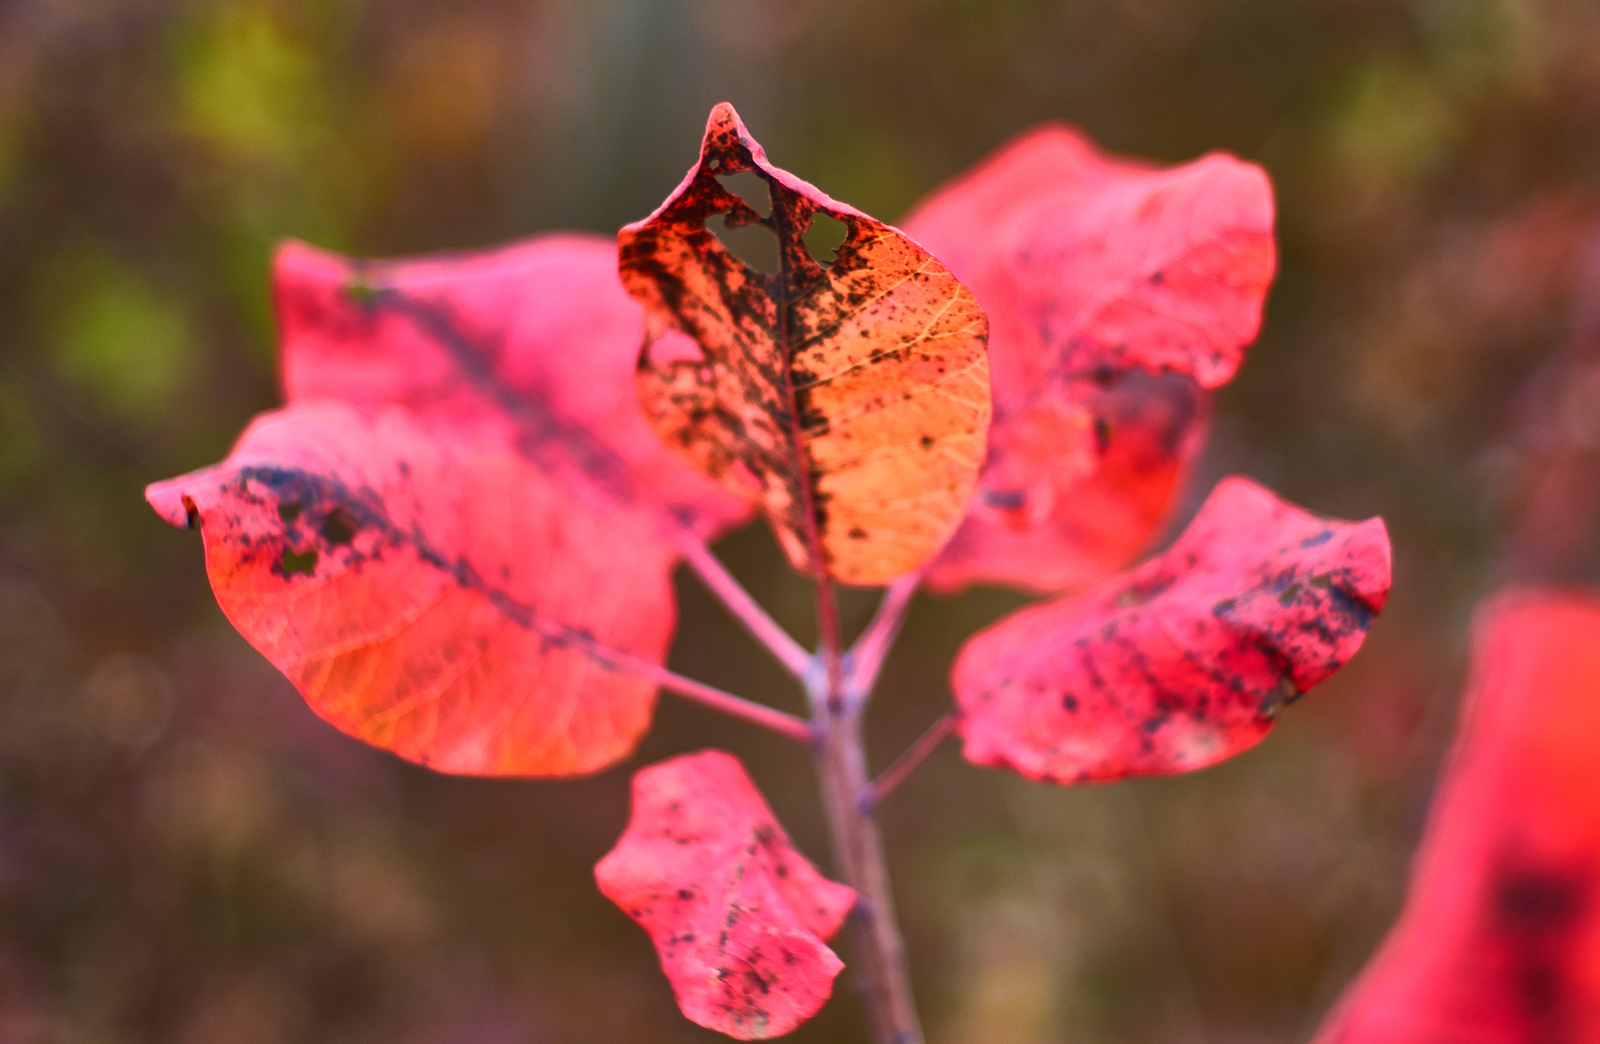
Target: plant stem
744, 608
913, 756
866, 658
878, 953
879, 958
778, 721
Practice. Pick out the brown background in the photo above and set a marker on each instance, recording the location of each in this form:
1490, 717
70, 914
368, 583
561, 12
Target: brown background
187, 855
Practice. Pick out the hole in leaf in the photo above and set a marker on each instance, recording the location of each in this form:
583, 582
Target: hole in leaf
294, 562
824, 237
750, 187
753, 244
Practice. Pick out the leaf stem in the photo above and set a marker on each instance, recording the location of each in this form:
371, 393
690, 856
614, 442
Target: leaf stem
914, 755
778, 721
742, 605
878, 957
865, 659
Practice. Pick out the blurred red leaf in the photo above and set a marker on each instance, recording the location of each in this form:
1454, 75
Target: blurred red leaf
1499, 939
736, 913
452, 562
1119, 294
851, 399
1182, 662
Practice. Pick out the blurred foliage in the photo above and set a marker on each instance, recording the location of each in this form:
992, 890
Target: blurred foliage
188, 855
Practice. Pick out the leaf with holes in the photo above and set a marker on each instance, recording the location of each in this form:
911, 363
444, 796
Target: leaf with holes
737, 915
1119, 294
1499, 938
851, 400
457, 561
1182, 662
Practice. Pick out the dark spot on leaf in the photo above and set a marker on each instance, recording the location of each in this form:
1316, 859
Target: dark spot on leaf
1102, 434
293, 562
1290, 593
925, 441
289, 510
338, 527
857, 533
1069, 703
1157, 277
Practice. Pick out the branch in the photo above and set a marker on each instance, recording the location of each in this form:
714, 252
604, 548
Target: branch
744, 608
778, 721
894, 774
866, 657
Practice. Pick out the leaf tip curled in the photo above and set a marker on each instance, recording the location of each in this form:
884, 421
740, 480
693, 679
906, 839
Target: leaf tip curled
737, 915
1183, 661
172, 503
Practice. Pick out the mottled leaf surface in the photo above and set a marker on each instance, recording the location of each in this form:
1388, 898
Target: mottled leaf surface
437, 597
539, 331
1183, 661
850, 398
1499, 938
462, 519
1119, 293
737, 915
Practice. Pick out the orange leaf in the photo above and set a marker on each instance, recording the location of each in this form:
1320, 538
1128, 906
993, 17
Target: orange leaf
737, 915
851, 400
1119, 294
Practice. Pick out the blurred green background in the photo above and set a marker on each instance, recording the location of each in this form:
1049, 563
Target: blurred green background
187, 855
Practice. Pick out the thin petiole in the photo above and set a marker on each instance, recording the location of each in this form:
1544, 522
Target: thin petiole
744, 608
867, 656
778, 721
894, 774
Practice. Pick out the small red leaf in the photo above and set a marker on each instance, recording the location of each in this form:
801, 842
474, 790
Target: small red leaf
1118, 293
736, 913
432, 593
1499, 939
1183, 661
851, 400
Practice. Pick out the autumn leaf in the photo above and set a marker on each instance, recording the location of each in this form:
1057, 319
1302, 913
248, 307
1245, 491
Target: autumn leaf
1119, 294
1182, 662
737, 915
1499, 938
460, 531
850, 399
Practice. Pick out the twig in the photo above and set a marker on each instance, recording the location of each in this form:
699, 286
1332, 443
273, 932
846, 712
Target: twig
894, 774
758, 714
866, 658
744, 608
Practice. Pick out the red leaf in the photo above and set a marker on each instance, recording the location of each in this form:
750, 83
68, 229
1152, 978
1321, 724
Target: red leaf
1182, 662
453, 567
1499, 939
736, 913
540, 331
851, 400
1118, 294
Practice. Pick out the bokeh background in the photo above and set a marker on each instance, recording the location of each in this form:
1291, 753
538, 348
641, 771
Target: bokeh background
187, 855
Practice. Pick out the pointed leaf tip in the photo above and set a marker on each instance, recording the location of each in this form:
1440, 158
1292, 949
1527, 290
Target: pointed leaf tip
851, 400
1119, 294
1498, 941
736, 913
1182, 662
